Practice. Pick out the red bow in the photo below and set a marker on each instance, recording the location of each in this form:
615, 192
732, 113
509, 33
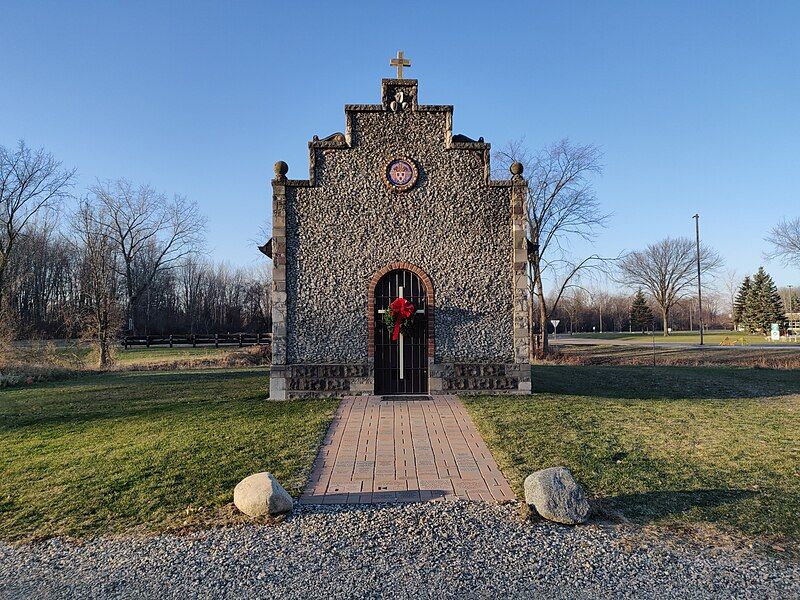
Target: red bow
401, 309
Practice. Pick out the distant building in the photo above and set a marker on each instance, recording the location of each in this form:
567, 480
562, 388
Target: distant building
793, 323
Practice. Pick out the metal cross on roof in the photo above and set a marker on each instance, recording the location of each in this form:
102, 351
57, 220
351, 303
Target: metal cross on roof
400, 62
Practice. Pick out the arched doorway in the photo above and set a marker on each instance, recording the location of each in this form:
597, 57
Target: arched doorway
401, 366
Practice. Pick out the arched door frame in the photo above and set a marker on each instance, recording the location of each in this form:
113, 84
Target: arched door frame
429, 297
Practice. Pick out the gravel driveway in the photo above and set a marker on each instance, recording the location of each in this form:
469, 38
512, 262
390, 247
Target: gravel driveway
438, 550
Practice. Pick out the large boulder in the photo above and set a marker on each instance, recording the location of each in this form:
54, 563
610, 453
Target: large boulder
556, 496
261, 494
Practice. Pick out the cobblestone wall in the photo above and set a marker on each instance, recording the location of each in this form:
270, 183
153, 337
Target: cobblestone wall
451, 224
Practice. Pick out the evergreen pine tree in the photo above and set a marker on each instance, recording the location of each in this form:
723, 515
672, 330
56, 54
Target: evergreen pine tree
739, 305
775, 310
641, 315
763, 306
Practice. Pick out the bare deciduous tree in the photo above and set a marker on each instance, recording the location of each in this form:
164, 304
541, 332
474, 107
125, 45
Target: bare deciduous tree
785, 240
32, 182
731, 283
667, 270
561, 205
191, 279
152, 233
101, 319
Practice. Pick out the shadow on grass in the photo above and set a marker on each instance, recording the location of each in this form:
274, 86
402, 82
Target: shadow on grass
653, 506
638, 382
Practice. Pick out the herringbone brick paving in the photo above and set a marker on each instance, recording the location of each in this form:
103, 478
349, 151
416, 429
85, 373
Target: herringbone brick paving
403, 451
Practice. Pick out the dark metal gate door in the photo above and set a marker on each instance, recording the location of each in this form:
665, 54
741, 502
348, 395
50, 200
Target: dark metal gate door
401, 366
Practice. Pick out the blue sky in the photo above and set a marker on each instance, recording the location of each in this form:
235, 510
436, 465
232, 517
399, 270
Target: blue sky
695, 105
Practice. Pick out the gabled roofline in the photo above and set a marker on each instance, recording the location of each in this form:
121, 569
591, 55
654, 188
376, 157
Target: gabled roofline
397, 95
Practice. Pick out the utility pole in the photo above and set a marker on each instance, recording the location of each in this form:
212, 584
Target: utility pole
699, 289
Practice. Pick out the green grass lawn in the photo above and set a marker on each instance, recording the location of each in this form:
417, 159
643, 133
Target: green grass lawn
671, 445
681, 337
123, 451
116, 451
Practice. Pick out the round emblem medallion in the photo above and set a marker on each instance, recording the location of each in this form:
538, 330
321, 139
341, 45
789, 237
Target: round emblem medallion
401, 174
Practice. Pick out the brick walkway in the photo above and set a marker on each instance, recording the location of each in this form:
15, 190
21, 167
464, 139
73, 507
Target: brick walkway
403, 451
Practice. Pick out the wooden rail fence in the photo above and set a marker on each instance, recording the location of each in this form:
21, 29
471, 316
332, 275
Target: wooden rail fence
195, 340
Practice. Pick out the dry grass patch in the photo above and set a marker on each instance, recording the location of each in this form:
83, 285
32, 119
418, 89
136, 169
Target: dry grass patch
711, 338
642, 355
37, 361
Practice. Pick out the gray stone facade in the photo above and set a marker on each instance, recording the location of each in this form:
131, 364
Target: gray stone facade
334, 231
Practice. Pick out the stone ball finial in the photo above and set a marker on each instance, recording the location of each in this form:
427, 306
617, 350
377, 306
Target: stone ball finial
516, 168
281, 169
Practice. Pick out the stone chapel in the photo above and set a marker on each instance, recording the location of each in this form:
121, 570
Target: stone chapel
399, 265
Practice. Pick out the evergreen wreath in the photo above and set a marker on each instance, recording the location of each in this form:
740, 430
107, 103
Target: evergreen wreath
389, 320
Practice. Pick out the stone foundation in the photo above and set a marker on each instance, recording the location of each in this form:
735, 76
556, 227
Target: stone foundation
481, 378
337, 380
319, 381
